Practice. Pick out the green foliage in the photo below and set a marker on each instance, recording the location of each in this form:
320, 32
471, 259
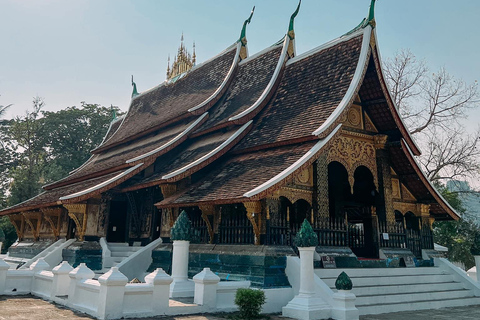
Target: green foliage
181, 230
460, 237
306, 237
9, 231
41, 147
249, 302
343, 282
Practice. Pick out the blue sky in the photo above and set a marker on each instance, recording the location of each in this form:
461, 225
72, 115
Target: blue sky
86, 50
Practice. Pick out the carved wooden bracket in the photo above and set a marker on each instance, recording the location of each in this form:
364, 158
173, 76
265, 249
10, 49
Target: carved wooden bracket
34, 220
18, 222
254, 209
53, 217
168, 190
78, 213
293, 194
208, 210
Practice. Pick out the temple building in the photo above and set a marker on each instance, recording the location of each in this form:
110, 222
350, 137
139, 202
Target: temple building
249, 146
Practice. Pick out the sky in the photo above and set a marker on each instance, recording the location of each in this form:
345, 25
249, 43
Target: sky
86, 50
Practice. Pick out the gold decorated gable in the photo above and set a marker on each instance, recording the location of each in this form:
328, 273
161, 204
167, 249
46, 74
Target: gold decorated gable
353, 150
406, 194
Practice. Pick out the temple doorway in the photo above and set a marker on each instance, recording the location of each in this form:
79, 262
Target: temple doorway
355, 206
117, 222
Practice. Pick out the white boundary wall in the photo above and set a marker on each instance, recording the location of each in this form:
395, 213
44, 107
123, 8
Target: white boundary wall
111, 297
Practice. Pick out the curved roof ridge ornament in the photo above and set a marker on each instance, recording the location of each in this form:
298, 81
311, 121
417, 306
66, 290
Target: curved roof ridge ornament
371, 15
370, 20
134, 92
291, 33
243, 36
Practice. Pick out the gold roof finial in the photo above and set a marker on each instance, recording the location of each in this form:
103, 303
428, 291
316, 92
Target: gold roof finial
182, 62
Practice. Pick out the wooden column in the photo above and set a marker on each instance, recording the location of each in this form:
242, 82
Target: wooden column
53, 217
385, 201
78, 213
254, 210
208, 210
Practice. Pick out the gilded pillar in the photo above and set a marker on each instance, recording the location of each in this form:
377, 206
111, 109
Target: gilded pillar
208, 211
78, 213
385, 200
168, 218
323, 211
254, 211
425, 221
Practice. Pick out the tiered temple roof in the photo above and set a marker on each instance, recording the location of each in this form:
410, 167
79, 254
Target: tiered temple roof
237, 128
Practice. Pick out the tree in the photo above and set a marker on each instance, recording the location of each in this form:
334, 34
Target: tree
26, 134
70, 134
433, 105
457, 236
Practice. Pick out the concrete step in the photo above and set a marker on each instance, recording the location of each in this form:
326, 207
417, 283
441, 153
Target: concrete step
366, 272
412, 297
118, 259
418, 305
117, 244
405, 289
394, 280
124, 249
121, 254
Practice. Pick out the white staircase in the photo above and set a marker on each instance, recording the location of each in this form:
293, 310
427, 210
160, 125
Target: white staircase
118, 253
121, 251
386, 290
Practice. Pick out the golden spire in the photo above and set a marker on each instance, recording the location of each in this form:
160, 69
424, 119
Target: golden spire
182, 62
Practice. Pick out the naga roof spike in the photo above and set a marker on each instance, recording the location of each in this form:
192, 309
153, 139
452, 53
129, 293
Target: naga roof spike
371, 14
134, 85
291, 33
244, 29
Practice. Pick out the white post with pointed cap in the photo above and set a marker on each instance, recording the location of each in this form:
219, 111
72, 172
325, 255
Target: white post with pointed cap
206, 283
61, 279
307, 305
3, 275
344, 305
181, 286
82, 272
112, 290
161, 290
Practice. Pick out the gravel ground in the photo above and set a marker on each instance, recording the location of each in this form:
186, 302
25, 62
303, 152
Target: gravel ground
33, 308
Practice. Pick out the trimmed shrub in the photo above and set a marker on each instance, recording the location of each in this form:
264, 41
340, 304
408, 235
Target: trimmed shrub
250, 302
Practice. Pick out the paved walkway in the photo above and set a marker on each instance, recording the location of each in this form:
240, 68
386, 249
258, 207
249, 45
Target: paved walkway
32, 308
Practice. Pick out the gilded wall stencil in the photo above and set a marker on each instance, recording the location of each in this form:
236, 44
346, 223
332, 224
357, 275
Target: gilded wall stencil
396, 188
322, 189
407, 195
353, 153
387, 181
78, 213
53, 217
168, 190
18, 222
305, 177
254, 211
369, 126
34, 220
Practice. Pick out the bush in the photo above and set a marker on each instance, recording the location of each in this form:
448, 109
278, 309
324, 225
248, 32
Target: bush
250, 302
